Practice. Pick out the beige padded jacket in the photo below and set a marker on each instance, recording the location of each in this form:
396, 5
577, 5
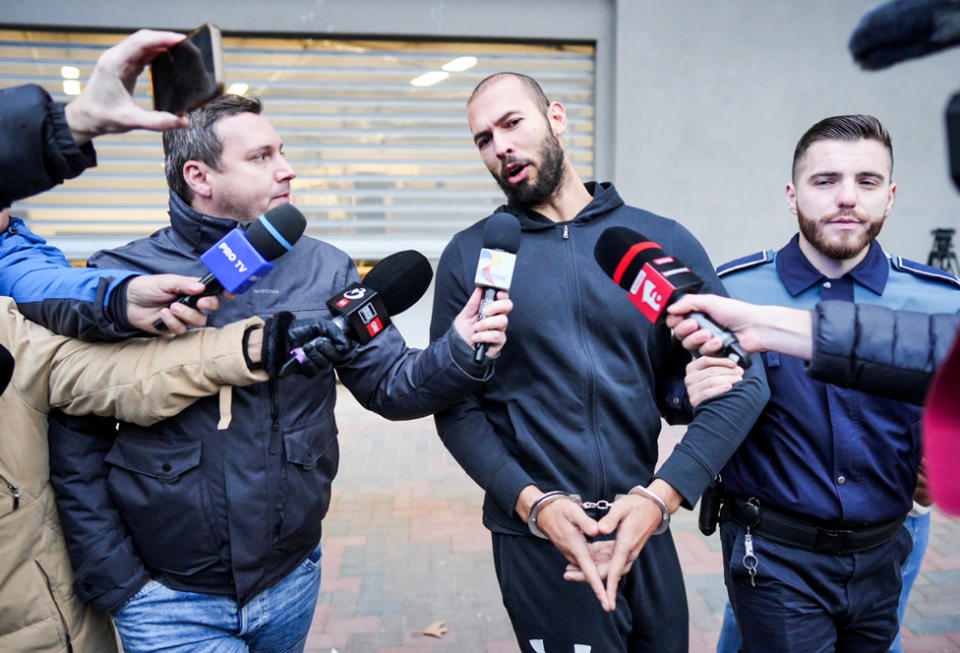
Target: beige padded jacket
140, 380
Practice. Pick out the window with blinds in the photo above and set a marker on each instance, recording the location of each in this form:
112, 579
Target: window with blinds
376, 131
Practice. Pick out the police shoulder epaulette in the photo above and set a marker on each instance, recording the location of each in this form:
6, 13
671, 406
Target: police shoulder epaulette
766, 256
923, 271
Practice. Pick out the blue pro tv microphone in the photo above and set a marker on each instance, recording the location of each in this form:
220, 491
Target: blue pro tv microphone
242, 257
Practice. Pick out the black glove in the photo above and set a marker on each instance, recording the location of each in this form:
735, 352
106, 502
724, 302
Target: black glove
304, 346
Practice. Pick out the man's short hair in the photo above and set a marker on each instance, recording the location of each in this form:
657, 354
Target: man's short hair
844, 128
533, 88
199, 141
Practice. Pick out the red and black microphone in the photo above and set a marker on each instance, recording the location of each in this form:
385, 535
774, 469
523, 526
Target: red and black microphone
362, 310
654, 280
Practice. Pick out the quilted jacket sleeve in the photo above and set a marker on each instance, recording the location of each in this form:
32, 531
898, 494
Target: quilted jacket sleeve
879, 350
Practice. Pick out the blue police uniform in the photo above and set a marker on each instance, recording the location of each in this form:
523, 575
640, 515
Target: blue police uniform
826, 475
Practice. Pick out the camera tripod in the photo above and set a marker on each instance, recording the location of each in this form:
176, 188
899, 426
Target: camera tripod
941, 254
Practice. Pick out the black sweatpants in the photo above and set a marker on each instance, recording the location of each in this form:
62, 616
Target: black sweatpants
551, 615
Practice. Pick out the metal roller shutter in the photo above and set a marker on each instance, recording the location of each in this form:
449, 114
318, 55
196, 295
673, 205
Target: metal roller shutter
382, 164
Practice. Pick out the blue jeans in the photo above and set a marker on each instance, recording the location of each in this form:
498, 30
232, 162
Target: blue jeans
276, 620
919, 529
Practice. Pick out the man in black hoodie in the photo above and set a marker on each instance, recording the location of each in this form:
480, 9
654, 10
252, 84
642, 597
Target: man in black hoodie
570, 422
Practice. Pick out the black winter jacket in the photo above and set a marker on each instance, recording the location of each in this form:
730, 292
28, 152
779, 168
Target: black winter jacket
39, 153
584, 378
879, 350
232, 509
34, 124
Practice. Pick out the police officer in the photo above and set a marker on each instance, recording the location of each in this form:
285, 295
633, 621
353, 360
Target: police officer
812, 525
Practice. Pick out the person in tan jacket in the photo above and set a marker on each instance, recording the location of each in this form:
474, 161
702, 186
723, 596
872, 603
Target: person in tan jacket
140, 380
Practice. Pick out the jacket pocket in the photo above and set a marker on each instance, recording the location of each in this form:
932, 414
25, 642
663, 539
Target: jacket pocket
311, 456
56, 611
160, 493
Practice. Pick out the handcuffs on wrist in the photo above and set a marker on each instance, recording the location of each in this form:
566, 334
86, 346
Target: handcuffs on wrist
550, 497
640, 490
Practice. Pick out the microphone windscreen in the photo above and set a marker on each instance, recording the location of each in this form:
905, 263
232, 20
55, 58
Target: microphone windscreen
901, 30
501, 231
621, 252
276, 231
400, 279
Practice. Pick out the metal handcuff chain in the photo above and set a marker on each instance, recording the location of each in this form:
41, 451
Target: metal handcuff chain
601, 504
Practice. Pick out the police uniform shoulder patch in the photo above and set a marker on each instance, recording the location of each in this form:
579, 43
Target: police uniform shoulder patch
753, 260
923, 271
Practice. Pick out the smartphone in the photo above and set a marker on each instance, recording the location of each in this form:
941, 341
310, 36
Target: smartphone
190, 73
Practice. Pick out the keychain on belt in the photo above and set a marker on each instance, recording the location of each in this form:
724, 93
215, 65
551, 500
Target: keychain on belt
749, 559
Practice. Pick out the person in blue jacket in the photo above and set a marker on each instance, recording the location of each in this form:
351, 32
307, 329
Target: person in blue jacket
815, 552
564, 437
47, 142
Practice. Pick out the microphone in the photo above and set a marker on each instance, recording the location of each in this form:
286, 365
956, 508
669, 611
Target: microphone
905, 29
242, 257
501, 240
654, 280
362, 310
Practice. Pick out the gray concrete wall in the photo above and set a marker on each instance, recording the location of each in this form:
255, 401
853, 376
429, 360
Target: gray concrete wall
712, 97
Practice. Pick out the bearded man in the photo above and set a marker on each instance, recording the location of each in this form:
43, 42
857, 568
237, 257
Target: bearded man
812, 527
564, 437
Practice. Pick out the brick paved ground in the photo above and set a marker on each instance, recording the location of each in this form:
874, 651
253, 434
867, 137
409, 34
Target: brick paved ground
404, 548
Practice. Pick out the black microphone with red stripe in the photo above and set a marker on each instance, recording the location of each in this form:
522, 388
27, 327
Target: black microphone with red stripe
654, 280
362, 310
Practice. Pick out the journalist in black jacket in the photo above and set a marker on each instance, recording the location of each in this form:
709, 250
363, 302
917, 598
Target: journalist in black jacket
227, 497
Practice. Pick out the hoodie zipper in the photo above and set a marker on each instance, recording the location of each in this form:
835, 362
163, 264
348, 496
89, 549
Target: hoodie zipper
14, 491
591, 378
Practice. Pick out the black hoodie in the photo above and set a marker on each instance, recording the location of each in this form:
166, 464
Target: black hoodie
584, 378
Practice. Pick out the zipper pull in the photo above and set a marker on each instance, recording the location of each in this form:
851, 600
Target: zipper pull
16, 495
566, 233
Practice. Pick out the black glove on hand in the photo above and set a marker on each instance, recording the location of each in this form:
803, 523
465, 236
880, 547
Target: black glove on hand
318, 342
276, 347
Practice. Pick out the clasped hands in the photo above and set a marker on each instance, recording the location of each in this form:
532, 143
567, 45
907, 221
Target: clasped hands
632, 518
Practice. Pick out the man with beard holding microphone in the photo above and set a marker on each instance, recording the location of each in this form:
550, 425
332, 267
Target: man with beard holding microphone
564, 438
815, 499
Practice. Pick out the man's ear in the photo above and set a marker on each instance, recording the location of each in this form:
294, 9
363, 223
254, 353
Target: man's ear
792, 198
197, 176
557, 117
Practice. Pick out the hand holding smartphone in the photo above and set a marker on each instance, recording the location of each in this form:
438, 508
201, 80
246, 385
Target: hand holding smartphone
190, 73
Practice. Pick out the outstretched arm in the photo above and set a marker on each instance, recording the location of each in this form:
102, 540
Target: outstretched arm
106, 106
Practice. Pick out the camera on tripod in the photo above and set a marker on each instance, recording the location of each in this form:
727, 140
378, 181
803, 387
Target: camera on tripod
941, 254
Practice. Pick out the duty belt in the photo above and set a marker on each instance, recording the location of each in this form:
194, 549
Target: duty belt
792, 531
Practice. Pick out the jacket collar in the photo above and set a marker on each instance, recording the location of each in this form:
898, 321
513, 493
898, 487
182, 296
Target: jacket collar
605, 200
798, 274
199, 230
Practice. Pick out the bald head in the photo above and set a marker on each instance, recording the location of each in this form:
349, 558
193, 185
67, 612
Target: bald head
529, 85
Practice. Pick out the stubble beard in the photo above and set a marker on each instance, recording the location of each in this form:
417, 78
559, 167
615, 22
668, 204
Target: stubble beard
848, 245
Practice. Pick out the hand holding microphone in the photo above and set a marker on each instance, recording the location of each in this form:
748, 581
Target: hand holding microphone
242, 257
654, 281
361, 311
501, 240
